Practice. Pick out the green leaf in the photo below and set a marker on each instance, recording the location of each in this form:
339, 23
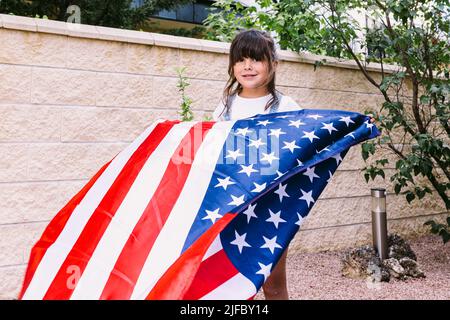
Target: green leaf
410, 197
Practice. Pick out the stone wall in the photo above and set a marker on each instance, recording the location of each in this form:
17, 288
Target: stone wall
71, 97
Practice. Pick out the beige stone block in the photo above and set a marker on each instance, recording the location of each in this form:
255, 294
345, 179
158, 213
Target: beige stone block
69, 160
68, 87
215, 46
336, 100
165, 61
165, 40
82, 30
354, 161
29, 123
22, 47
189, 43
96, 55
333, 238
325, 77
166, 94
139, 59
15, 84
13, 164
411, 228
33, 233
51, 26
19, 22
398, 207
11, 280
352, 183
121, 90
16, 46
35, 201
205, 94
338, 212
108, 124
16, 241
204, 65
355, 210
122, 35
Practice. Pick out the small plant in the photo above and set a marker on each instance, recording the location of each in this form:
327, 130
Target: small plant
207, 117
186, 112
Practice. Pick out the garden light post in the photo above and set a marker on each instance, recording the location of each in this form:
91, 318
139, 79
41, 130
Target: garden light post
379, 222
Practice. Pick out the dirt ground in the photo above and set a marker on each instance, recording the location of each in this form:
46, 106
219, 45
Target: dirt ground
317, 276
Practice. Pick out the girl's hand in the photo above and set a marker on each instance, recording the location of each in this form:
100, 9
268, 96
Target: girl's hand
372, 119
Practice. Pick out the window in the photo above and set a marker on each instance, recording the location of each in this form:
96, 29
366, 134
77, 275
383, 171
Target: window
192, 12
137, 3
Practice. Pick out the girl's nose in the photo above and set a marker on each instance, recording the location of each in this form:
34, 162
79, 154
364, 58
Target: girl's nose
247, 64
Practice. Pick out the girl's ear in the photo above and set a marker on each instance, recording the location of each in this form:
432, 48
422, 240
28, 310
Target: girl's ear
275, 65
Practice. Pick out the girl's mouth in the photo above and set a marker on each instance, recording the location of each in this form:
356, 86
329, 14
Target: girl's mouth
249, 76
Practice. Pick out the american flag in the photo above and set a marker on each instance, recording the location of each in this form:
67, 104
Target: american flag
193, 210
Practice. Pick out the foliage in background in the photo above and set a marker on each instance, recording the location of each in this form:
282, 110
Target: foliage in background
185, 112
107, 13
413, 36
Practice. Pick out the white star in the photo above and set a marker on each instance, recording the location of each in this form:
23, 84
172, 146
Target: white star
347, 120
269, 157
263, 123
224, 183
368, 125
250, 212
299, 163
329, 127
307, 196
259, 187
337, 157
247, 169
276, 132
310, 173
285, 116
314, 116
310, 135
279, 174
271, 244
237, 201
212, 215
296, 123
265, 270
256, 143
234, 154
243, 131
290, 145
324, 149
240, 241
329, 179
275, 218
300, 219
351, 134
282, 191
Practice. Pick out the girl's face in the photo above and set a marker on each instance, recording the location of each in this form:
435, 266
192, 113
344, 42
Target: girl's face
251, 74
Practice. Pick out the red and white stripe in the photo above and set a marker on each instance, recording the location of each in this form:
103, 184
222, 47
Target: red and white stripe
218, 279
129, 224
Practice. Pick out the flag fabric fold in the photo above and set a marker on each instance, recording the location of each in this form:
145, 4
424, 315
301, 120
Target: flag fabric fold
193, 210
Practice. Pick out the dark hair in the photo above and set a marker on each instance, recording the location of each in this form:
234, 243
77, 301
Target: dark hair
254, 44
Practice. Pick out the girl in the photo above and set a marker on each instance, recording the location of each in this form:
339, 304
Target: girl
251, 90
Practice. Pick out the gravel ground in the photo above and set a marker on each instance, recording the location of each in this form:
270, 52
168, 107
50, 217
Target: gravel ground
317, 276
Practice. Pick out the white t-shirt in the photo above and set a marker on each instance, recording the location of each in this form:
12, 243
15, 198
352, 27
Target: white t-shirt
247, 107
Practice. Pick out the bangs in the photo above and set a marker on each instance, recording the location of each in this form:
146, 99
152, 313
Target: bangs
250, 45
